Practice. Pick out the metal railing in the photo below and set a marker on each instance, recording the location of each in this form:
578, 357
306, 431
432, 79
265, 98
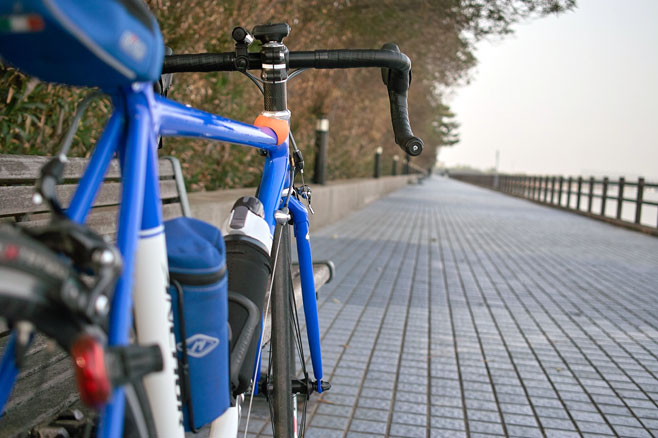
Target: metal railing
629, 203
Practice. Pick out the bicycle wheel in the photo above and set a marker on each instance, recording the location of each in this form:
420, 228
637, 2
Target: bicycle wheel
281, 365
138, 421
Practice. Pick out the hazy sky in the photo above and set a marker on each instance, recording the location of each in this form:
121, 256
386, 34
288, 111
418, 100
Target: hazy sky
572, 94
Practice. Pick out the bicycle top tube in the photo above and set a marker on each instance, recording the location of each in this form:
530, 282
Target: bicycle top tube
176, 119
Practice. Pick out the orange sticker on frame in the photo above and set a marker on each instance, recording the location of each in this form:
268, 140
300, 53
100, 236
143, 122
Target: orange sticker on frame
280, 127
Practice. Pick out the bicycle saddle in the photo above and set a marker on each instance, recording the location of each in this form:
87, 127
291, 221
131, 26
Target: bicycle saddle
98, 43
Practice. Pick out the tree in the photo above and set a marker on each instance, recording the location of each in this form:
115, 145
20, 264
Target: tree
438, 35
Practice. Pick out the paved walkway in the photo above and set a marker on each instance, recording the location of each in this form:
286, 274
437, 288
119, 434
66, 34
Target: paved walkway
460, 312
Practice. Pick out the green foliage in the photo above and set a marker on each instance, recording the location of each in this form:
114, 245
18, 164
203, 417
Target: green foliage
444, 126
35, 115
438, 35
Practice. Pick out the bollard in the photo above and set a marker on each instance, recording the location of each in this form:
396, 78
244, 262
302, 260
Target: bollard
394, 170
378, 156
321, 135
406, 165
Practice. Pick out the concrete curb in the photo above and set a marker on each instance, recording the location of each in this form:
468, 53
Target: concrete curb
331, 202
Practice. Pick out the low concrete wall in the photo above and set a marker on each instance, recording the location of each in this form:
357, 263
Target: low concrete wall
330, 202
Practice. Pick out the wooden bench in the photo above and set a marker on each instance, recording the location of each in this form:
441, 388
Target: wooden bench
45, 386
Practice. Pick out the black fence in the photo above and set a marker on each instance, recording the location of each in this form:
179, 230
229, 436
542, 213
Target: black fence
629, 203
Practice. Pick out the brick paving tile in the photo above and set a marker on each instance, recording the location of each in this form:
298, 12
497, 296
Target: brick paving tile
458, 312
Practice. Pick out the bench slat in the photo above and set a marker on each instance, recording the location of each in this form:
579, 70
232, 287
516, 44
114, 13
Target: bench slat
18, 199
17, 168
46, 381
45, 385
102, 220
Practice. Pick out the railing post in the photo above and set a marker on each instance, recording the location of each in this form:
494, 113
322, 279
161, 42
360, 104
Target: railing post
620, 197
552, 189
378, 159
546, 179
569, 192
638, 200
580, 191
534, 187
321, 134
537, 188
604, 195
559, 191
591, 194
394, 171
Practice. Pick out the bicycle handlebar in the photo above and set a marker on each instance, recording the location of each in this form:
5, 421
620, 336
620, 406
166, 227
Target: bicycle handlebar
395, 65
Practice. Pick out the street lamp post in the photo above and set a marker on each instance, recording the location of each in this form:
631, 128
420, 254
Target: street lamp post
321, 134
378, 156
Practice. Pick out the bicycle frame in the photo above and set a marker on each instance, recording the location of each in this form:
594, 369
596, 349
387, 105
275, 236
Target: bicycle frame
139, 117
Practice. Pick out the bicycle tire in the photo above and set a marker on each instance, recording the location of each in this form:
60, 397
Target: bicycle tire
282, 361
138, 420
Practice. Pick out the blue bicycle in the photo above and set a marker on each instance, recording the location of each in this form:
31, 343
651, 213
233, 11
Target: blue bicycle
162, 342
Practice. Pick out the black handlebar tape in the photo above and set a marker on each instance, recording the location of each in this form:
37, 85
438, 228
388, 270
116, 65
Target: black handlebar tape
323, 59
396, 72
203, 62
397, 81
401, 128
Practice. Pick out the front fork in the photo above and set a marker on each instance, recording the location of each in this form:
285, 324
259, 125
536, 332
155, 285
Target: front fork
302, 238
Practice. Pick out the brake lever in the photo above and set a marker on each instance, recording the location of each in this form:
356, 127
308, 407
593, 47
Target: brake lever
243, 40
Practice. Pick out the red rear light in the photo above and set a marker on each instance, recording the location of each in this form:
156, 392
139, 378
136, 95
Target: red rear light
90, 372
